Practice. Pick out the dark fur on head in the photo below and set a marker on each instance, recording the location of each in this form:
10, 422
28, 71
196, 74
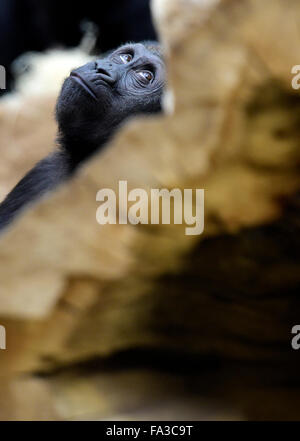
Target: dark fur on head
94, 100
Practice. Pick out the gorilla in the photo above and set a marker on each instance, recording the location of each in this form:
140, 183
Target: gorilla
94, 100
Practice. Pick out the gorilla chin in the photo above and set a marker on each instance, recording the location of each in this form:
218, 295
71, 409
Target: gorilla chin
79, 104
75, 96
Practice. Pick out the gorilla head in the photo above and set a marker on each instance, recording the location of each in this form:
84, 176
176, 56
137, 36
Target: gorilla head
94, 100
98, 96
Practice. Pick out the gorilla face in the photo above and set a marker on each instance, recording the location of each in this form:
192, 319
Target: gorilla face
96, 97
94, 100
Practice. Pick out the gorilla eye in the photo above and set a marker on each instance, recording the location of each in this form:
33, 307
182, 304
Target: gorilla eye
146, 75
126, 58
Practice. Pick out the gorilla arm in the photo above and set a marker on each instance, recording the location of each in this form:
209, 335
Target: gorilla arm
45, 176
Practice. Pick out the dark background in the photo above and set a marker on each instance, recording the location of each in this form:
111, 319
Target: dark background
36, 25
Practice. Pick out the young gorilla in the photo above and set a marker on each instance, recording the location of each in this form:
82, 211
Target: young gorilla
94, 100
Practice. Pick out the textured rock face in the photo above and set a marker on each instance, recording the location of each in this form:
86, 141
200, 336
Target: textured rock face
72, 291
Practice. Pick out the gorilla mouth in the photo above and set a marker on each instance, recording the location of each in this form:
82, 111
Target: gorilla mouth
83, 84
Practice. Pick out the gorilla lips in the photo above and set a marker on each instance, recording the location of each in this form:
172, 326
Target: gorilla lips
83, 84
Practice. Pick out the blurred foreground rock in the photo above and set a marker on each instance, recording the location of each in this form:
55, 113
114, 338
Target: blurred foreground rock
215, 310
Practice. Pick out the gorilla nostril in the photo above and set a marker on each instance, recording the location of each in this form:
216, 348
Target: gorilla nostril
102, 71
105, 75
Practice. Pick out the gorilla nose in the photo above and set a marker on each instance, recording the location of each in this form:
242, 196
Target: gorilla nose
105, 75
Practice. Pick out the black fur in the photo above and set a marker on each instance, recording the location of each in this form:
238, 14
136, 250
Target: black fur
94, 100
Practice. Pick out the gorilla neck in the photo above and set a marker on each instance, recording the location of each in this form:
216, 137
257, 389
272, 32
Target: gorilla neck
81, 144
